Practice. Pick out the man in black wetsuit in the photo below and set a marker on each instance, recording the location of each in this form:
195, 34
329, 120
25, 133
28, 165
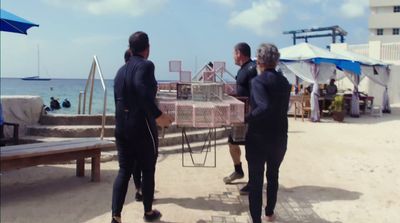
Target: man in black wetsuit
266, 138
136, 117
247, 71
137, 172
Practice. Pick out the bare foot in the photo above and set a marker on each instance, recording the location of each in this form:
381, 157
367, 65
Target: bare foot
270, 218
116, 219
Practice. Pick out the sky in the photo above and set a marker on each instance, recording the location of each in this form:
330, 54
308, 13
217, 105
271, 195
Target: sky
193, 31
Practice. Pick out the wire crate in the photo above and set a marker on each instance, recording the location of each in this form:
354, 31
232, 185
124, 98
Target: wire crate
221, 114
203, 115
236, 110
167, 107
184, 113
207, 91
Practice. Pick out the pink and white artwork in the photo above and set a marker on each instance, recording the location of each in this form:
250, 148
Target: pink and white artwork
209, 76
185, 76
219, 67
175, 66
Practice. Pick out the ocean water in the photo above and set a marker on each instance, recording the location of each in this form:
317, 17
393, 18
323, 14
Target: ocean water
61, 89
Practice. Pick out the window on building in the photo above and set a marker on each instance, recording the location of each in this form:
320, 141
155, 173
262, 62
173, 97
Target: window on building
379, 32
396, 8
396, 31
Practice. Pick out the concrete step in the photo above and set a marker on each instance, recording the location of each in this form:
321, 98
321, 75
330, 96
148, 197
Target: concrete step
70, 119
70, 131
36, 139
46, 133
113, 154
195, 146
177, 149
198, 135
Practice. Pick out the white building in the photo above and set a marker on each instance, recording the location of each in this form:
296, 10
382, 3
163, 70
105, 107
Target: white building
384, 20
384, 45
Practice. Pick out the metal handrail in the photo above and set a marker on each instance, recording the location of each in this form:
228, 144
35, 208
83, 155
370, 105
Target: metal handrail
95, 65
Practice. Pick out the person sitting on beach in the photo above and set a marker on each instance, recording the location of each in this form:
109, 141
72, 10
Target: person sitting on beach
54, 104
308, 89
331, 89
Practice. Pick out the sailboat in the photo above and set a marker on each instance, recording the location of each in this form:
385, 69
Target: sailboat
37, 77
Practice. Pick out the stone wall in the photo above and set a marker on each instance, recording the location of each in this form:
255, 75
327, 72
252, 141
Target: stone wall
21, 109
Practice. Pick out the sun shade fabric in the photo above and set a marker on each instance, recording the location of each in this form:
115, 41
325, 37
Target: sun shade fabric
298, 60
13, 23
308, 52
363, 60
303, 70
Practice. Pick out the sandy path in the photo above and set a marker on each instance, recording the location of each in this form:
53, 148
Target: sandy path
333, 172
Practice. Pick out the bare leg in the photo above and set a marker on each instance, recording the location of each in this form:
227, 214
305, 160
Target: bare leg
235, 153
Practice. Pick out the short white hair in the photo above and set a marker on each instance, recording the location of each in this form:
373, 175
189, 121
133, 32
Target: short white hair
268, 54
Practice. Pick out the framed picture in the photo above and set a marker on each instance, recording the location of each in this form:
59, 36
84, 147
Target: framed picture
184, 91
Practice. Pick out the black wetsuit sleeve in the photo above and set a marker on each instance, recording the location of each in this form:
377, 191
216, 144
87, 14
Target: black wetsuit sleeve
146, 86
260, 96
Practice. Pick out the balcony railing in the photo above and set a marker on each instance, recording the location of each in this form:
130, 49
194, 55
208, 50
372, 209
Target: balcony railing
390, 51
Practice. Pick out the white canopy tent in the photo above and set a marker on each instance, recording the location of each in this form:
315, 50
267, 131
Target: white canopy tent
376, 70
316, 65
312, 64
312, 73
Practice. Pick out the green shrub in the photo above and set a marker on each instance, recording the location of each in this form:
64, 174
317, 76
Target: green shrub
337, 104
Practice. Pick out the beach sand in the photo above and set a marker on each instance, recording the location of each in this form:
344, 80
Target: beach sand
332, 172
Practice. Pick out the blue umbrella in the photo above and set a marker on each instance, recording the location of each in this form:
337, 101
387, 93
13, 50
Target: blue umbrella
13, 23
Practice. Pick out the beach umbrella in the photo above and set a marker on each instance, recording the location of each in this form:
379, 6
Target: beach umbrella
13, 23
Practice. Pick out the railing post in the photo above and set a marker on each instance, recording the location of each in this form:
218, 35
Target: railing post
105, 97
80, 102
95, 65
103, 119
91, 90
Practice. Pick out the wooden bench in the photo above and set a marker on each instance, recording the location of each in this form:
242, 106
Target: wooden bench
27, 155
4, 141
